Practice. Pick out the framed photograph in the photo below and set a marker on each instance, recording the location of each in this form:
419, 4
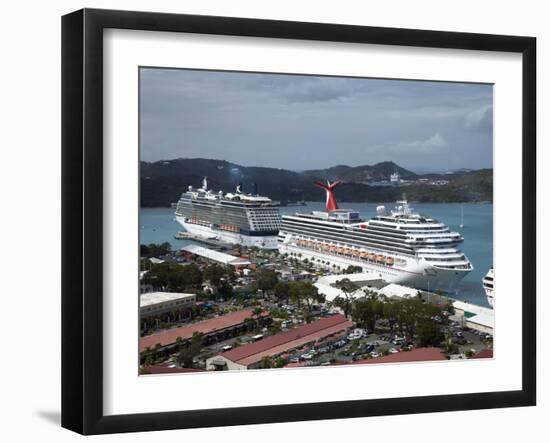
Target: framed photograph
269, 221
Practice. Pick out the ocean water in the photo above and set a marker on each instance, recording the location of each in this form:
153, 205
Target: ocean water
158, 225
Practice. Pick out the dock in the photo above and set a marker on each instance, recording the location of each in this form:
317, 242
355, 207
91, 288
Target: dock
210, 241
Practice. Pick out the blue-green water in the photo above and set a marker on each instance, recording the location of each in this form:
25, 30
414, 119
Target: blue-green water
158, 225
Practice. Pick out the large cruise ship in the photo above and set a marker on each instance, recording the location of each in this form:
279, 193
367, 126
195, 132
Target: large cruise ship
489, 286
399, 246
237, 218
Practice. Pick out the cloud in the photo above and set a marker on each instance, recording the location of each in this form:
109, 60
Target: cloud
308, 122
315, 90
433, 143
481, 118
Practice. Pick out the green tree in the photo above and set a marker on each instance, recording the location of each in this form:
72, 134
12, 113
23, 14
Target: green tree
348, 288
214, 274
282, 291
189, 350
366, 312
225, 290
429, 333
266, 362
154, 250
305, 293
267, 280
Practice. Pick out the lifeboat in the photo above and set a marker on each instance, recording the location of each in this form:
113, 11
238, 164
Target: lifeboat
380, 258
389, 261
372, 256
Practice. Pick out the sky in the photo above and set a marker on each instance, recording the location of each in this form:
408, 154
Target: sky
307, 122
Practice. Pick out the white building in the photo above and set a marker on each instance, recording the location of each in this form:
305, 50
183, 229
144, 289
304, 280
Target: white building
475, 317
395, 290
216, 256
395, 178
153, 304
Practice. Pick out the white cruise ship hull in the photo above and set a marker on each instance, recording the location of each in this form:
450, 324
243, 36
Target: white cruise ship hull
490, 298
416, 273
263, 242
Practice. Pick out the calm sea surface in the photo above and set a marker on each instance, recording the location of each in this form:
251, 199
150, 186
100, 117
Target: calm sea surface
158, 225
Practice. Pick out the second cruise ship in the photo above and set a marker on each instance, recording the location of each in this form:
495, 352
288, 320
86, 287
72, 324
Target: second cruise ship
399, 246
237, 218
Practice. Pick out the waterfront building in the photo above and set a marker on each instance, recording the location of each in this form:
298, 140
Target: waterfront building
215, 256
393, 290
475, 317
395, 179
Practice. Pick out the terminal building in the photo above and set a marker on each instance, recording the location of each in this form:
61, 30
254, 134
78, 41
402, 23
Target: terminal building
328, 285
215, 256
155, 307
250, 356
475, 317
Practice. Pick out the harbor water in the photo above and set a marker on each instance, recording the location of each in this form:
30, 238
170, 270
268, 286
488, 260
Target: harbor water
158, 225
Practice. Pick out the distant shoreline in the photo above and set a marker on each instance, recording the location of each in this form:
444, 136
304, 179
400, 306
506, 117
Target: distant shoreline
483, 202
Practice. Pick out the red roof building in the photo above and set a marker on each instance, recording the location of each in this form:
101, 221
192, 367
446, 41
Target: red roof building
250, 355
484, 353
153, 370
209, 327
420, 354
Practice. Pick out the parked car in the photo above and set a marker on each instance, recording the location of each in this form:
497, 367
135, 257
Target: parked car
369, 348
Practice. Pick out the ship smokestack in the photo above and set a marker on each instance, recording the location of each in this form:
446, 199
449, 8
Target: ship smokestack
332, 204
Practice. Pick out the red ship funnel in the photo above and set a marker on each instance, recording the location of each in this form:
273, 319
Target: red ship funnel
332, 205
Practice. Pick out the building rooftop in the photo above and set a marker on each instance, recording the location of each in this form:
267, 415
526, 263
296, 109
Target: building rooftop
153, 298
169, 336
326, 284
216, 256
420, 354
484, 319
471, 308
395, 290
168, 370
284, 341
484, 353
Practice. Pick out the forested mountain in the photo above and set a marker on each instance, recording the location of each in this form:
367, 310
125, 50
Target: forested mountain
162, 182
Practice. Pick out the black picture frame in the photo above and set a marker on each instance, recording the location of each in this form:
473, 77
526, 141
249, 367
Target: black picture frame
82, 215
